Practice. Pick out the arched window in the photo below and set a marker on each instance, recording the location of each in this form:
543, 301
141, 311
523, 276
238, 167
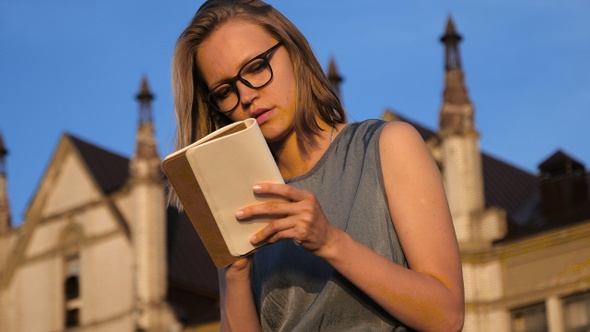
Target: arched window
72, 291
71, 239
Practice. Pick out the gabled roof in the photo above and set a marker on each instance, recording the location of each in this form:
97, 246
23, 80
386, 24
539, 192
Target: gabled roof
192, 276
560, 162
109, 169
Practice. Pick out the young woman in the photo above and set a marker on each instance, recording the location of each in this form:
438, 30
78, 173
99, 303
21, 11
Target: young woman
366, 240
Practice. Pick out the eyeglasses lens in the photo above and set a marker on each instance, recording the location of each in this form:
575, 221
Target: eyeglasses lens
255, 74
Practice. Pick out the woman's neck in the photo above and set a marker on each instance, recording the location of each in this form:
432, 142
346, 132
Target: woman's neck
296, 156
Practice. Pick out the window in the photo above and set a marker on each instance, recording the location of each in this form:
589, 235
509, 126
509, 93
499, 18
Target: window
576, 312
72, 291
530, 319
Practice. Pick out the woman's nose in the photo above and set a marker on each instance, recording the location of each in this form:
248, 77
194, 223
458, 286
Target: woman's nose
247, 94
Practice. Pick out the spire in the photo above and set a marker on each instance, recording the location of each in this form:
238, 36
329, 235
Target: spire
145, 97
460, 157
5, 219
146, 149
456, 116
334, 76
146, 192
451, 39
3, 153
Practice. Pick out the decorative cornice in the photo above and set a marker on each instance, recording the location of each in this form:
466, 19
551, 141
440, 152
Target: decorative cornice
530, 244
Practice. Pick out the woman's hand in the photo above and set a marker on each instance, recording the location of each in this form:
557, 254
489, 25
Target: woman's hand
239, 270
301, 218
238, 311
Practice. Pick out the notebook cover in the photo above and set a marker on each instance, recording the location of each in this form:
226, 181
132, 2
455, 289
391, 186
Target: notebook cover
213, 177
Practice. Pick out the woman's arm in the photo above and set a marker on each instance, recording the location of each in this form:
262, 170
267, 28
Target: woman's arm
429, 295
238, 312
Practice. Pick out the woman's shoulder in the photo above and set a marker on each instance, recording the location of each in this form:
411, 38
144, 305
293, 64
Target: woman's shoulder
368, 124
365, 128
387, 131
401, 143
399, 130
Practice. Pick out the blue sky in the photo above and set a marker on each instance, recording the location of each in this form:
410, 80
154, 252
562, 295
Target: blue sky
75, 66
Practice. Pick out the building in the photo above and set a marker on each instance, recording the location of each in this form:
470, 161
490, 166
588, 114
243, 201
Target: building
524, 238
99, 251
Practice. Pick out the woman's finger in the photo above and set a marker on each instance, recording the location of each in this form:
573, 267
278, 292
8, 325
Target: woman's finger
298, 226
284, 190
277, 208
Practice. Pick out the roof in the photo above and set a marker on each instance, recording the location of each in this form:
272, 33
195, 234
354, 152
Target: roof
109, 169
507, 186
560, 162
450, 31
193, 289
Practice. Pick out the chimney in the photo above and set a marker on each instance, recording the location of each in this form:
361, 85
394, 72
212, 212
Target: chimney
564, 189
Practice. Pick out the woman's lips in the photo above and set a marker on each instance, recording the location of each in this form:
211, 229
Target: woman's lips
263, 116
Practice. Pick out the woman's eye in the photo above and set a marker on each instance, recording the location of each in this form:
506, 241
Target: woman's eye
222, 92
255, 67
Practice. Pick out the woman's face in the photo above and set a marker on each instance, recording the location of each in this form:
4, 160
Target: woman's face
221, 56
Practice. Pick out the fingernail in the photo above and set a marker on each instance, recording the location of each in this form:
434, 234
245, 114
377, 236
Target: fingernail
239, 214
253, 239
257, 188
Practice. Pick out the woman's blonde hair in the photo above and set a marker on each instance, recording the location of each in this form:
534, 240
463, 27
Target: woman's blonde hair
195, 119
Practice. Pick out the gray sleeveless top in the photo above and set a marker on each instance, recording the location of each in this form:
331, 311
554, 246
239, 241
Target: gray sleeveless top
297, 291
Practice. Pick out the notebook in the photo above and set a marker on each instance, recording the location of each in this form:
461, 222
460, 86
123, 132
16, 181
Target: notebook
213, 178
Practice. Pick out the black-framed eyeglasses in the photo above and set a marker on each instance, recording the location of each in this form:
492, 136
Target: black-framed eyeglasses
255, 74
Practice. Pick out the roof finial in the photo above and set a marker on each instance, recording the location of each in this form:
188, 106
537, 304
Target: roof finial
5, 218
334, 76
3, 153
456, 116
145, 97
145, 162
451, 39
